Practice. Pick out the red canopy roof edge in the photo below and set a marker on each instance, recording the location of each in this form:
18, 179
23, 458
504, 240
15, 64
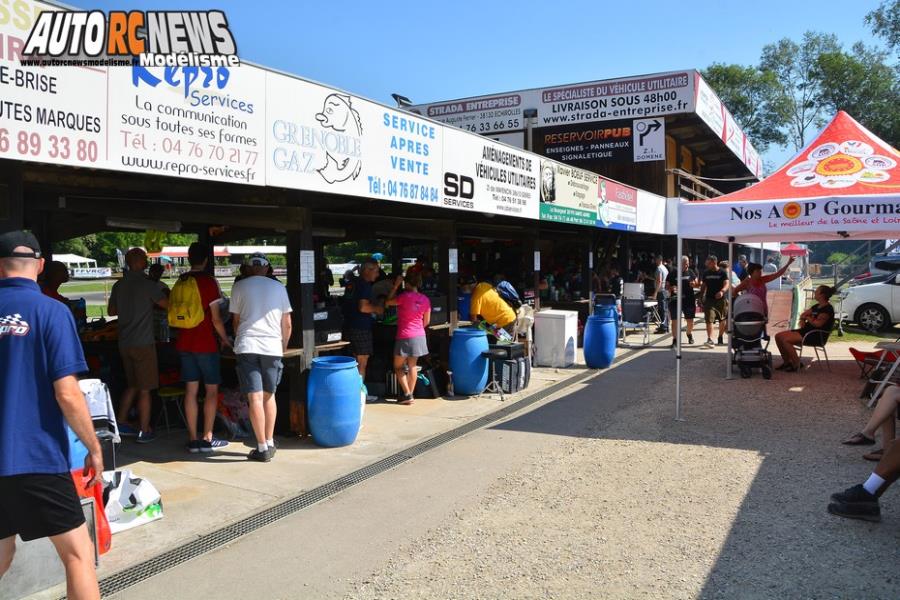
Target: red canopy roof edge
845, 160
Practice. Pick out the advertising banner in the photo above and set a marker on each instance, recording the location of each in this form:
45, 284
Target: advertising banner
587, 144
802, 219
483, 176
197, 122
723, 124
629, 98
568, 194
324, 140
616, 205
92, 273
655, 95
47, 114
485, 114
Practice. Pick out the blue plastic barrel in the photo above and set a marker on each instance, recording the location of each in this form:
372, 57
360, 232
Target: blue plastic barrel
333, 404
600, 334
470, 369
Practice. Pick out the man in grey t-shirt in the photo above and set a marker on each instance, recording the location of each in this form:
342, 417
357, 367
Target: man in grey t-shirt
133, 299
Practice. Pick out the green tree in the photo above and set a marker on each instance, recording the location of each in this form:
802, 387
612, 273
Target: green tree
754, 98
80, 246
885, 22
796, 66
863, 84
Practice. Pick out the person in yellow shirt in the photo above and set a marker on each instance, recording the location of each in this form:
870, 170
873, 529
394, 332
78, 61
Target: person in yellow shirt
487, 305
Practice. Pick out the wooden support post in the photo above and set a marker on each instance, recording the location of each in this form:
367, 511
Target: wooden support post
396, 256
40, 227
205, 238
303, 330
529, 247
447, 281
587, 267
11, 202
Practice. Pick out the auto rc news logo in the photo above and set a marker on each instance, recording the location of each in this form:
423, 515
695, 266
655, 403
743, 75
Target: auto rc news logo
150, 38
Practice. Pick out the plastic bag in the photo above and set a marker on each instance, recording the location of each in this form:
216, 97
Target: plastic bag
130, 501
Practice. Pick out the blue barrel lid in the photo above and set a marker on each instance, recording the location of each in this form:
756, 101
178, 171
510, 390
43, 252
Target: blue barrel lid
334, 362
470, 331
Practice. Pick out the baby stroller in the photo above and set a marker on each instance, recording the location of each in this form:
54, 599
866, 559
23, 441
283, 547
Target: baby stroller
749, 333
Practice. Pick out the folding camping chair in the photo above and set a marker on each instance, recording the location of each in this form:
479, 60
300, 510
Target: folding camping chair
869, 361
817, 341
635, 316
890, 370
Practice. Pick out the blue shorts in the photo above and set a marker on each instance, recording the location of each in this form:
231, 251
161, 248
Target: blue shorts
259, 373
196, 367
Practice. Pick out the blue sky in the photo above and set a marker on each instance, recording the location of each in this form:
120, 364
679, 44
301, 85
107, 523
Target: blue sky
441, 50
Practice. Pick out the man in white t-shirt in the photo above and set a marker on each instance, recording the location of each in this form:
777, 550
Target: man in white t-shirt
662, 275
261, 312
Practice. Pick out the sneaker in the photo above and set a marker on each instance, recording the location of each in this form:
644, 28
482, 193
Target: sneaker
126, 430
271, 451
661, 330
215, 444
674, 343
194, 446
145, 437
709, 343
258, 456
720, 342
855, 495
690, 339
863, 512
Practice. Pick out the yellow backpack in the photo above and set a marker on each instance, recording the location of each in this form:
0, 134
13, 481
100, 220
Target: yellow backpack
185, 304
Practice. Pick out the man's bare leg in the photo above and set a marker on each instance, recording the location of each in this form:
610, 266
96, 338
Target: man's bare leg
76, 551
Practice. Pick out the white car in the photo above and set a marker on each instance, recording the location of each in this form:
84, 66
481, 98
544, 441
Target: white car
873, 306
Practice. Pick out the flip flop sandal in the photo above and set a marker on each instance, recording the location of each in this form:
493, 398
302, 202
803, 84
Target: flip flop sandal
874, 456
860, 439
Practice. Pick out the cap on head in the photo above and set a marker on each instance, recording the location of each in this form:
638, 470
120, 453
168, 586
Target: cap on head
11, 240
257, 259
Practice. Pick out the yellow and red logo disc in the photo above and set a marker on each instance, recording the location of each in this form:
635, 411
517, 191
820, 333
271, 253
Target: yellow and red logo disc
791, 210
839, 164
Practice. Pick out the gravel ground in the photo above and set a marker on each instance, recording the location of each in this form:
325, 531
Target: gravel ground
630, 504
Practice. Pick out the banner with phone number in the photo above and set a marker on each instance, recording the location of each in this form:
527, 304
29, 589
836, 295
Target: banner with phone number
48, 114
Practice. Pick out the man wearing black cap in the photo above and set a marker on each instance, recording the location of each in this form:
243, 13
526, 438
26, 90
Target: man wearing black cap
40, 355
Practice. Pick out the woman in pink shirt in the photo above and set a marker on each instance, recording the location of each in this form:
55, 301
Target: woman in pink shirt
413, 316
755, 282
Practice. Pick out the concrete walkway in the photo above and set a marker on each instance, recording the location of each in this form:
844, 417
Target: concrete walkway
596, 492
202, 493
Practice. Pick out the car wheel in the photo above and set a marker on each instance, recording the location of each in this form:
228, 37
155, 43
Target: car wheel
873, 317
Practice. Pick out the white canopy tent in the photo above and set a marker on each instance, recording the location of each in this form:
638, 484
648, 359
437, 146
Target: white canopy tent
844, 185
73, 261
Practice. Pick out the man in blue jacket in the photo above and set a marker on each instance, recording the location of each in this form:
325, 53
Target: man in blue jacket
40, 356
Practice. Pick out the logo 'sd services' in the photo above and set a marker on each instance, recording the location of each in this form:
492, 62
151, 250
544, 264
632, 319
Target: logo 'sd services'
151, 38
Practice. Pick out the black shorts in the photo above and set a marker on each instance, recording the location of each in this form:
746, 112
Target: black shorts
361, 342
37, 506
688, 308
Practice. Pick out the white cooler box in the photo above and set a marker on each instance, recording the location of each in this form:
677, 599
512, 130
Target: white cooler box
555, 338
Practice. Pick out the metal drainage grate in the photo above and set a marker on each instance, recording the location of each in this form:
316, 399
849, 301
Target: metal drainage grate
130, 576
